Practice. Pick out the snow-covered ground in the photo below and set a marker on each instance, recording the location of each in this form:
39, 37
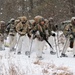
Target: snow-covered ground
13, 64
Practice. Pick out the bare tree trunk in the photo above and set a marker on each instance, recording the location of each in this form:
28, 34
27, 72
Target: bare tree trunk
23, 7
71, 5
31, 5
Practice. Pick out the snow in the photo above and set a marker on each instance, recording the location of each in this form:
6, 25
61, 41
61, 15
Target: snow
13, 64
22, 65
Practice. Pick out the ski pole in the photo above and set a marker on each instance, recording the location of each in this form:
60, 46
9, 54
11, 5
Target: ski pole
65, 45
18, 42
30, 48
56, 48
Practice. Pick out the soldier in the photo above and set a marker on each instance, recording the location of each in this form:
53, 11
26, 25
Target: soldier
17, 21
30, 35
31, 23
51, 36
39, 34
11, 30
2, 34
69, 32
22, 30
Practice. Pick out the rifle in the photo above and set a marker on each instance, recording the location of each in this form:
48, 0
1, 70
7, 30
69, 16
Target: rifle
43, 35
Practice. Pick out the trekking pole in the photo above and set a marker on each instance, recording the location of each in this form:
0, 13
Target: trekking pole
56, 48
65, 44
30, 47
57, 27
18, 41
58, 39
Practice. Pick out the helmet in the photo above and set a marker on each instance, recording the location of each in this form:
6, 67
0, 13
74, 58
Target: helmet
73, 20
23, 18
2, 25
2, 22
50, 19
38, 19
11, 20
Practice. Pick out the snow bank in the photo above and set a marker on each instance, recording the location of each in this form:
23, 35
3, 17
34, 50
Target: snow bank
22, 65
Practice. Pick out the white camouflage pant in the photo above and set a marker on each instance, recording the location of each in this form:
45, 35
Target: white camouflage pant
23, 44
2, 42
12, 41
52, 42
39, 45
67, 44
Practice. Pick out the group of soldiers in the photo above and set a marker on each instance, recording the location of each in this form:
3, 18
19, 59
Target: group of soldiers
38, 29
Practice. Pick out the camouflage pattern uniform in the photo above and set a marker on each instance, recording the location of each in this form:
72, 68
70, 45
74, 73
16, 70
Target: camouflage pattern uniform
69, 32
39, 33
11, 30
31, 23
51, 30
22, 30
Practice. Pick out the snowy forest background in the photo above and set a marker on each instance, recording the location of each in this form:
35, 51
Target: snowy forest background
60, 10
13, 64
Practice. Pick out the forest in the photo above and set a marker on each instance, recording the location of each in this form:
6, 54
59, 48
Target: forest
60, 10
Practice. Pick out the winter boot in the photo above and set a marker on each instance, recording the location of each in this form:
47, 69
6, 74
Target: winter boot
27, 53
63, 55
52, 53
40, 57
13, 49
19, 53
74, 56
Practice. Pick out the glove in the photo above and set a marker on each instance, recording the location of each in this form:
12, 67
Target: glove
21, 30
71, 36
53, 34
33, 32
56, 26
29, 35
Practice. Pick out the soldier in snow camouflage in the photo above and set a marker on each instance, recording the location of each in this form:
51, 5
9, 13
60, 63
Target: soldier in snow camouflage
69, 32
2, 34
22, 30
11, 30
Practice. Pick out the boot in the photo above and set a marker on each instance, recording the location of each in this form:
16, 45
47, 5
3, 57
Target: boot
63, 55
52, 53
40, 57
13, 49
74, 56
19, 53
27, 53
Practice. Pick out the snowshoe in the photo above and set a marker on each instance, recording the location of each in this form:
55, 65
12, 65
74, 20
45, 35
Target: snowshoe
52, 53
63, 55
